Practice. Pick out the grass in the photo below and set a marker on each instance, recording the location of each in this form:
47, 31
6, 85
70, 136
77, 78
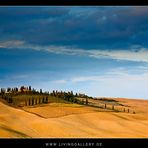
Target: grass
66, 105
20, 101
52, 99
107, 100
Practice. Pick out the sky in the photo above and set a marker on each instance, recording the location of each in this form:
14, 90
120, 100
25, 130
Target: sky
101, 51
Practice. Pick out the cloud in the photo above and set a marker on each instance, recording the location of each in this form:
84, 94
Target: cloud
11, 43
20, 76
118, 82
138, 54
59, 81
129, 55
84, 27
122, 78
127, 85
84, 78
117, 74
44, 12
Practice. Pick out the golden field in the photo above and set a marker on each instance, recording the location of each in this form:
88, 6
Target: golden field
57, 120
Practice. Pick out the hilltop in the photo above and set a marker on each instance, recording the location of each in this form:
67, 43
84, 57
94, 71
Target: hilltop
83, 118
26, 97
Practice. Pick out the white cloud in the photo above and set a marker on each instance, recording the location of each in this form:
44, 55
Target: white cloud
11, 44
138, 55
115, 84
20, 76
141, 55
84, 78
59, 81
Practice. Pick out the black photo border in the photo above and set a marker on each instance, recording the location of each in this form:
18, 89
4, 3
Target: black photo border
73, 142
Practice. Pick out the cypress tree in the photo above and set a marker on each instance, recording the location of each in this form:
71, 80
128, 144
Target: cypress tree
105, 105
86, 101
113, 107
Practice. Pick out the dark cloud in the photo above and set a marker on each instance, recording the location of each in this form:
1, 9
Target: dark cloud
30, 12
87, 27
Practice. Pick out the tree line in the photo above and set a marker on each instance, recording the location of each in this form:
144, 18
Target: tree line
67, 96
70, 96
22, 89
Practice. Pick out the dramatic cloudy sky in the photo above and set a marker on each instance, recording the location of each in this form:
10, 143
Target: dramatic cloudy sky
100, 51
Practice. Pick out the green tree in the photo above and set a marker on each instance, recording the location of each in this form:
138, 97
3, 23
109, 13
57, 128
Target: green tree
29, 88
3, 90
76, 95
22, 89
86, 101
41, 91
